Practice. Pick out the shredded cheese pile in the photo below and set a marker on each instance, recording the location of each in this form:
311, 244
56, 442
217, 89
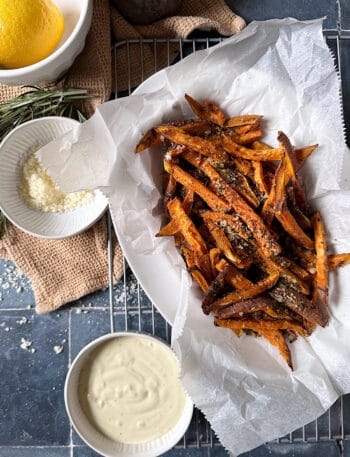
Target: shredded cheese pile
41, 193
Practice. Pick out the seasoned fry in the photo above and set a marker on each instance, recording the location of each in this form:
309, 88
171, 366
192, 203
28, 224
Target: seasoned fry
215, 289
197, 143
296, 301
240, 217
241, 130
244, 166
214, 255
253, 291
276, 338
291, 226
212, 200
302, 154
223, 243
250, 324
252, 305
253, 221
280, 265
208, 111
248, 137
193, 269
220, 184
245, 119
186, 227
168, 230
321, 274
338, 260
294, 267
169, 191
233, 276
251, 154
274, 197
260, 178
152, 137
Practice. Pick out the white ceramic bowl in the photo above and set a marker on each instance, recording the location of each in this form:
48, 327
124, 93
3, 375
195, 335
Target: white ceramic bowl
13, 148
95, 439
77, 15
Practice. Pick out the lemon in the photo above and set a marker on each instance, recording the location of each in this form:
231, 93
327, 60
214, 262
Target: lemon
30, 30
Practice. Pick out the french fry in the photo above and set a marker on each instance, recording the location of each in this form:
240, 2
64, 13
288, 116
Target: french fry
291, 226
259, 145
214, 255
302, 154
168, 230
251, 154
240, 217
215, 288
241, 130
193, 269
252, 305
253, 221
181, 176
321, 275
208, 111
221, 186
233, 276
337, 260
223, 243
253, 291
186, 227
294, 267
258, 326
197, 143
275, 195
248, 137
152, 137
296, 301
259, 178
276, 338
290, 177
244, 166
285, 272
245, 119
229, 221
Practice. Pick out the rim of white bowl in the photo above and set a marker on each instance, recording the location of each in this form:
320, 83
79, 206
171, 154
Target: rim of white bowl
17, 224
28, 69
95, 343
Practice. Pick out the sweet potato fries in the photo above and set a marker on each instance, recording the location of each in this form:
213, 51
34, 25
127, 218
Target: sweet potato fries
240, 217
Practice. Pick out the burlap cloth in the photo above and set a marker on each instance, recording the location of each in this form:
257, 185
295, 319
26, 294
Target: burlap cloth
65, 270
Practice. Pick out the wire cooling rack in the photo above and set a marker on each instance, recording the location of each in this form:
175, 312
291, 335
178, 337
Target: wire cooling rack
128, 302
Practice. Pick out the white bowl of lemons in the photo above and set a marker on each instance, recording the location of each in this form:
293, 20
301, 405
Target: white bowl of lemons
40, 39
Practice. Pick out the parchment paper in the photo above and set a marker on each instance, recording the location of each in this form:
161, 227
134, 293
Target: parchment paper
282, 69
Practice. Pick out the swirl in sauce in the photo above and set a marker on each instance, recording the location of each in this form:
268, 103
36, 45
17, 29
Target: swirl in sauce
129, 389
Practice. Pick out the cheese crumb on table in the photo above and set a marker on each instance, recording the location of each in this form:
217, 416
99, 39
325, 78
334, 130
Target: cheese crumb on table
40, 192
58, 349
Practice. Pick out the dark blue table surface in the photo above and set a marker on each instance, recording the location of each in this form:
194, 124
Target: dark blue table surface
33, 422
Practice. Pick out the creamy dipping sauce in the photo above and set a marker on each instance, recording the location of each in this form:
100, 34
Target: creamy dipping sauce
130, 391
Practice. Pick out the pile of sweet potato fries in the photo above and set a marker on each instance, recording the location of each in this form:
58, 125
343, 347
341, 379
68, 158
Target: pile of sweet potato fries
240, 217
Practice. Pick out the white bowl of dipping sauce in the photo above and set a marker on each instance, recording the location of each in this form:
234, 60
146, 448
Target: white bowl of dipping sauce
124, 397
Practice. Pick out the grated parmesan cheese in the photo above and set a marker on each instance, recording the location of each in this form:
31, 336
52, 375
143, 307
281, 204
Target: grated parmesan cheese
40, 192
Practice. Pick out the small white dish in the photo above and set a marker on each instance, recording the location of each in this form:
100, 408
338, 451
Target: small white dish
13, 148
95, 439
77, 16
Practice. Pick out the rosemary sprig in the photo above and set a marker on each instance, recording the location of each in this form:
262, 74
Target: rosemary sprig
37, 103
2, 224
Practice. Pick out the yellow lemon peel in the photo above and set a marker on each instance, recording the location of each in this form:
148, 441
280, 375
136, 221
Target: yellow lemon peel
30, 30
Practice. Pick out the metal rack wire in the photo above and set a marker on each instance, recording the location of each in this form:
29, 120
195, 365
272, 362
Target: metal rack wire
134, 311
